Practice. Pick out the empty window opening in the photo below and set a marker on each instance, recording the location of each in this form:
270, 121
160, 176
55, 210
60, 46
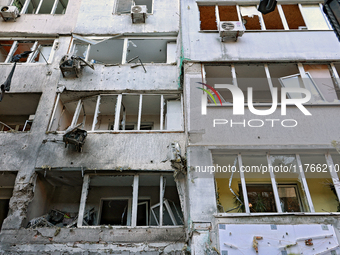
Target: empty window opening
110, 51
131, 200
208, 17
251, 17
129, 112
106, 114
42, 6
228, 13
56, 199
151, 112
107, 52
118, 112
149, 51
293, 16
42, 50
273, 20
314, 17
6, 189
21, 47
17, 111
5, 47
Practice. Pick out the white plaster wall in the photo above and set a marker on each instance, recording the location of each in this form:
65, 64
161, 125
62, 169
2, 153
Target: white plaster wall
98, 17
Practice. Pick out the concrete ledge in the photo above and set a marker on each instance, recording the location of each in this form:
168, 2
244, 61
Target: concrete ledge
92, 235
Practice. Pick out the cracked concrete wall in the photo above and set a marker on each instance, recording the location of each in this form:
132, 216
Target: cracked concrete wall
120, 78
25, 151
42, 24
94, 19
94, 241
115, 151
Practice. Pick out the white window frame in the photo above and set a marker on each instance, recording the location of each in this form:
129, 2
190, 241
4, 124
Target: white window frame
303, 181
133, 202
263, 26
95, 40
55, 4
35, 48
117, 113
301, 72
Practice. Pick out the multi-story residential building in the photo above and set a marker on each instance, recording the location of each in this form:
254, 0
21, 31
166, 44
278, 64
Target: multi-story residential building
155, 88
238, 206
122, 92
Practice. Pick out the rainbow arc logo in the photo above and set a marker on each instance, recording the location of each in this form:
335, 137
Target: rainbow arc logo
209, 93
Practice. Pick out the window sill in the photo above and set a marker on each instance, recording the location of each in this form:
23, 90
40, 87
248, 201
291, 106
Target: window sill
233, 215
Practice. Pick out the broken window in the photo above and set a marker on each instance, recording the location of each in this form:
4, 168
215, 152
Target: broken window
251, 17
132, 200
286, 16
124, 6
41, 6
42, 50
7, 181
17, 111
107, 112
320, 79
56, 199
284, 188
111, 51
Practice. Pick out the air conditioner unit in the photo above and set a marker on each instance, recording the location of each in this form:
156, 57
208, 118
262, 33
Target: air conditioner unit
9, 12
230, 30
138, 13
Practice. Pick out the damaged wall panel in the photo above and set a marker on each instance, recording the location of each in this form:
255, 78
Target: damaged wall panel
56, 199
251, 17
17, 111
7, 181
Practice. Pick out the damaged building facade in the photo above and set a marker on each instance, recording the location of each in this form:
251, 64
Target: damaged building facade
92, 131
129, 128
266, 173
